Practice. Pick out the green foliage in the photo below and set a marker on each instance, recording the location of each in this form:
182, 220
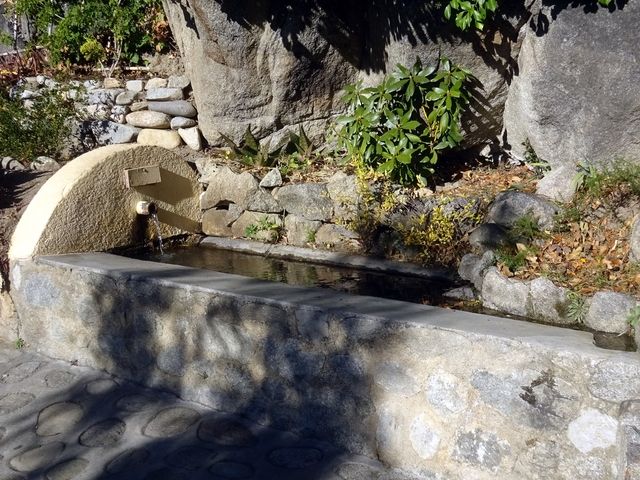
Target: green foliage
26, 133
596, 182
295, 152
474, 13
538, 165
634, 316
272, 229
467, 13
400, 127
20, 344
526, 229
250, 152
514, 260
70, 29
576, 307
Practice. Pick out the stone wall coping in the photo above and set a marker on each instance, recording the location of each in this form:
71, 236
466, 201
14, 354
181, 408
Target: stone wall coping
393, 313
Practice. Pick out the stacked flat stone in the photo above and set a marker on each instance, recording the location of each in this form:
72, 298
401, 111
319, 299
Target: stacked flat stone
156, 112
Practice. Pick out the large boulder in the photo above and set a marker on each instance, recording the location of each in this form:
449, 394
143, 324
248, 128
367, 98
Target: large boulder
272, 64
574, 98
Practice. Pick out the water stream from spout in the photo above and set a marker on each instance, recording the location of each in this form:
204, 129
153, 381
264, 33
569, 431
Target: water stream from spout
154, 217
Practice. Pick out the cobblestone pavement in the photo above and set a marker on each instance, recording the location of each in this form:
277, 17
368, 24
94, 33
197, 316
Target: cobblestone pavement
61, 422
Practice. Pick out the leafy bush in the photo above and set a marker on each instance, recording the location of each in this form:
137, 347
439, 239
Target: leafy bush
400, 126
73, 30
26, 133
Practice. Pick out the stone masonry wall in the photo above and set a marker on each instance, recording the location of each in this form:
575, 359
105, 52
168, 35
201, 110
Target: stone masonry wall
441, 394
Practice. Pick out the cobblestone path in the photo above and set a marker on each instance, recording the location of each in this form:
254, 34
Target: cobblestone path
61, 422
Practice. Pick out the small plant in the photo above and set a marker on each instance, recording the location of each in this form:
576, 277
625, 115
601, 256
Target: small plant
526, 229
26, 133
20, 344
250, 152
565, 217
400, 127
535, 163
576, 307
513, 260
588, 178
311, 236
470, 12
272, 229
93, 51
634, 316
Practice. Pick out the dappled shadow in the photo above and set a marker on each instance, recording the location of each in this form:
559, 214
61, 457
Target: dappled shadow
271, 366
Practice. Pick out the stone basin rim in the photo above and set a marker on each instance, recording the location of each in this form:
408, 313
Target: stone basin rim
314, 298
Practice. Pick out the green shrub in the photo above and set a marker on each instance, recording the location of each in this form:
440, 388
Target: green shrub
26, 133
70, 29
400, 127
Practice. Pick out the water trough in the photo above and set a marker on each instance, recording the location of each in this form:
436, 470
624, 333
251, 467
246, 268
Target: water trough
436, 392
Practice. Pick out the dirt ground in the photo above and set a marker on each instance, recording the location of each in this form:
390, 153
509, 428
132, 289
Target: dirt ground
17, 188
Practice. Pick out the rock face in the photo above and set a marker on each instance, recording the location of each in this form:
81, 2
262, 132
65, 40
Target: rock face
567, 86
510, 206
283, 63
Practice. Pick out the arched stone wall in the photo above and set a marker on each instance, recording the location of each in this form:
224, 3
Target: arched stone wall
86, 205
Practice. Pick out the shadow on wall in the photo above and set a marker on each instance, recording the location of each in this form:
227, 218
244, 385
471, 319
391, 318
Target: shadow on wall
260, 361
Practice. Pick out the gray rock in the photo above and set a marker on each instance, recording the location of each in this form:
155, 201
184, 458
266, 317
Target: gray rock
58, 379
343, 191
50, 83
104, 96
593, 430
126, 98
228, 469
171, 422
217, 222
103, 434
446, 393
357, 471
182, 122
558, 184
460, 293
549, 302
162, 94
242, 189
272, 179
300, 231
338, 237
12, 402
634, 241
27, 95
67, 470
135, 85
37, 457
10, 163
505, 294
176, 108
159, 138
395, 378
473, 267
91, 85
615, 380
191, 136
546, 102
45, 164
510, 206
19, 372
98, 111
207, 169
120, 110
41, 79
58, 418
110, 133
308, 200
156, 82
178, 81
148, 119
101, 386
110, 82
294, 90
138, 106
480, 448
609, 312
488, 236
254, 221
425, 440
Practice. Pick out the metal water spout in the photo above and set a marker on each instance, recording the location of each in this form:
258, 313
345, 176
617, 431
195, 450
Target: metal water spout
151, 209
146, 208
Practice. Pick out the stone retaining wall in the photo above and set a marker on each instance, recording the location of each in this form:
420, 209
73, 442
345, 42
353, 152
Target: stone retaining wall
442, 394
